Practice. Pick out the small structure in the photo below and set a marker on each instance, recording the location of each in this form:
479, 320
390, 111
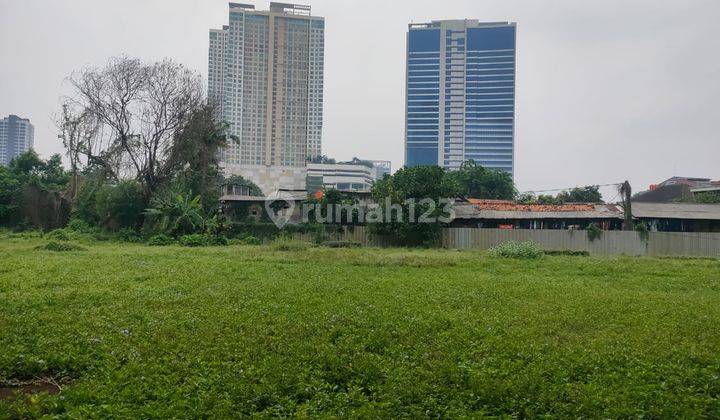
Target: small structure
509, 215
678, 217
245, 208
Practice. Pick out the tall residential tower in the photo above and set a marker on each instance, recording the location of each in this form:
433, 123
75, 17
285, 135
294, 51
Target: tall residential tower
266, 77
16, 137
460, 94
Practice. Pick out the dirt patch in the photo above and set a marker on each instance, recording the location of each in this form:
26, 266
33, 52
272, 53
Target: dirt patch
17, 390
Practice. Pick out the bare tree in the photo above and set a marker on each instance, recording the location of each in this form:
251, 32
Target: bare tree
136, 110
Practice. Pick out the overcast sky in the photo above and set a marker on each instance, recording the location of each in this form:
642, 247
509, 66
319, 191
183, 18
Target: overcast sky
606, 90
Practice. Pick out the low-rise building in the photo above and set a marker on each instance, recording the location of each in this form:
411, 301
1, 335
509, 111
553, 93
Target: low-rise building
342, 176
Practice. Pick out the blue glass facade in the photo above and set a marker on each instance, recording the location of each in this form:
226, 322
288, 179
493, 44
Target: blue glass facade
461, 94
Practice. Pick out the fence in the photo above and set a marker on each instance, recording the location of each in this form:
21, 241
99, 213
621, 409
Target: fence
609, 243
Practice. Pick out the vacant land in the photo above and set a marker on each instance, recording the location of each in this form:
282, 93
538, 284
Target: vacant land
126, 330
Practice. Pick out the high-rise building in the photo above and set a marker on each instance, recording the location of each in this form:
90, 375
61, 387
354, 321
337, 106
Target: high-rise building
460, 94
266, 77
16, 137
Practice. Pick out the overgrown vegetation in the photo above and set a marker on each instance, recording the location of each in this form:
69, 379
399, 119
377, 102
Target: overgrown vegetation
513, 249
249, 331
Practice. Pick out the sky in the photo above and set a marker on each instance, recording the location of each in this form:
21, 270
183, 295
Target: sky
606, 90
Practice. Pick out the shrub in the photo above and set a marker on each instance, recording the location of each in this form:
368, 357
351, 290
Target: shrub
341, 244
217, 240
130, 235
193, 240
512, 249
60, 247
284, 243
161, 240
569, 252
80, 226
59, 235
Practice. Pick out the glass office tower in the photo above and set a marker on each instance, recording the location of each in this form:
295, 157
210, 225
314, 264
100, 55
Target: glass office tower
460, 97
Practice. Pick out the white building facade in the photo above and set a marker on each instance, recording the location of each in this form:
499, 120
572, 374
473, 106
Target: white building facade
265, 74
343, 176
17, 136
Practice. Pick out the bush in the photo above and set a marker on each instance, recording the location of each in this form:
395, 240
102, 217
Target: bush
341, 244
217, 240
161, 240
284, 243
80, 226
193, 240
59, 235
197, 239
526, 250
60, 247
130, 235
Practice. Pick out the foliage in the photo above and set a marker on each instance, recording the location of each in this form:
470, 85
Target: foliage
589, 194
60, 247
31, 192
430, 183
218, 225
193, 240
240, 181
59, 235
80, 226
139, 111
709, 197
198, 239
130, 235
377, 333
160, 240
177, 214
593, 232
643, 231
120, 206
478, 182
194, 162
512, 249
568, 252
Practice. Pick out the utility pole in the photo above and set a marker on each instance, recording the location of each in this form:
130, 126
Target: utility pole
626, 194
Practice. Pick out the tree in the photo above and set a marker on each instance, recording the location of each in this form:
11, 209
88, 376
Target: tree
194, 157
428, 187
590, 194
140, 109
32, 191
478, 182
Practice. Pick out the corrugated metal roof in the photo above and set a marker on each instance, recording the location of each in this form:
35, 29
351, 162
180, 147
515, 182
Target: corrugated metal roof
690, 211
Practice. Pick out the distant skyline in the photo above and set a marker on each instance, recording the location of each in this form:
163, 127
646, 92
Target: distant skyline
605, 90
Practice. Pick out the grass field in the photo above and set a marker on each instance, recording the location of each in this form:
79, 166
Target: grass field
136, 331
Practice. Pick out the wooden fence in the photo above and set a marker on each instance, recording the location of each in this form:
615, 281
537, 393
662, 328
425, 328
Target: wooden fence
609, 243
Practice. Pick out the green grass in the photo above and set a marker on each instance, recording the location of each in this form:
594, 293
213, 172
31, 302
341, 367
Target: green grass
139, 331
